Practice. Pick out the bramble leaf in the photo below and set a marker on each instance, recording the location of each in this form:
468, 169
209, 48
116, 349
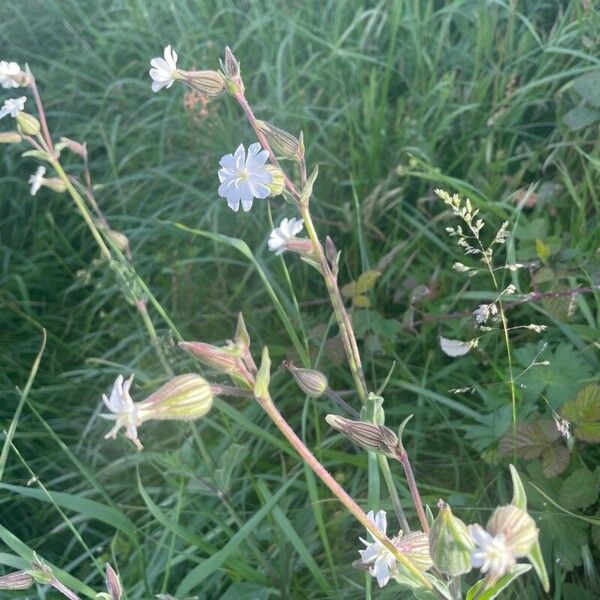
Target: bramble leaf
584, 412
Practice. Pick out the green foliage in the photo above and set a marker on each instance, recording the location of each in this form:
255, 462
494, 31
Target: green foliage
394, 99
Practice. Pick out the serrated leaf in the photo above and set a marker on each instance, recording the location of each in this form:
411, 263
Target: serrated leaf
496, 588
579, 490
588, 86
529, 440
366, 281
555, 460
584, 412
560, 379
581, 116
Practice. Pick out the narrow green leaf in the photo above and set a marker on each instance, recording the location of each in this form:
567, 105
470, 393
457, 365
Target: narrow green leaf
478, 591
519, 495
198, 574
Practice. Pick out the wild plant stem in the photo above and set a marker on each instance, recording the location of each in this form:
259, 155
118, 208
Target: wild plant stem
414, 490
395, 498
324, 475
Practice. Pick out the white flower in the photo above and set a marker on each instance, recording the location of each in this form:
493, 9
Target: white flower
36, 180
123, 409
164, 71
376, 555
491, 554
9, 71
287, 230
12, 106
456, 348
243, 179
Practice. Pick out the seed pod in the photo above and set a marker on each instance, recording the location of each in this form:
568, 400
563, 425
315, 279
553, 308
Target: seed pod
73, 146
209, 83
415, 545
10, 137
375, 438
450, 545
519, 529
284, 144
183, 398
28, 124
19, 580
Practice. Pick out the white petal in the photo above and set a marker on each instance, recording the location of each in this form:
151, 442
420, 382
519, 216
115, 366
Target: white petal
240, 157
227, 161
455, 347
381, 571
381, 521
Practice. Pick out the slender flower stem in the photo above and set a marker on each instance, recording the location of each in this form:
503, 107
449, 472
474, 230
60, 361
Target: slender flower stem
414, 491
63, 589
324, 475
42, 115
387, 475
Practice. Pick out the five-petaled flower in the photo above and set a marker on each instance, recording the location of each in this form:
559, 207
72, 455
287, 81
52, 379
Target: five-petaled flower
492, 555
164, 71
9, 73
244, 178
123, 409
282, 235
12, 106
36, 180
380, 560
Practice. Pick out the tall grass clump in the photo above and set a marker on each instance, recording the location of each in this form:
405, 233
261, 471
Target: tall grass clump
421, 260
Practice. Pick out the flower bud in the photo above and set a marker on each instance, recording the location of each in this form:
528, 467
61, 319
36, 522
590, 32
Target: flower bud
28, 124
113, 583
284, 144
519, 529
10, 137
277, 184
19, 580
209, 83
227, 360
311, 382
73, 146
450, 544
40, 571
55, 184
375, 438
231, 73
415, 546
183, 398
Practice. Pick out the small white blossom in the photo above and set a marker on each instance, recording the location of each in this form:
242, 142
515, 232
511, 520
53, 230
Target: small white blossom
244, 178
123, 409
287, 230
491, 554
376, 555
456, 348
36, 180
12, 106
483, 312
9, 71
562, 425
164, 71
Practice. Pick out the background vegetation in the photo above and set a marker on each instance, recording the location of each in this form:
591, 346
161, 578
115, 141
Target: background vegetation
395, 99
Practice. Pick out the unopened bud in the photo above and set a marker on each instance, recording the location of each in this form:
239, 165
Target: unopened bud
415, 546
277, 184
231, 73
519, 529
19, 580
224, 360
55, 184
113, 583
450, 544
183, 398
10, 137
242, 337
375, 438
28, 124
209, 83
284, 144
40, 571
311, 382
72, 146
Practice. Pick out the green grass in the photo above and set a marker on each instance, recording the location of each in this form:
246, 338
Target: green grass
395, 99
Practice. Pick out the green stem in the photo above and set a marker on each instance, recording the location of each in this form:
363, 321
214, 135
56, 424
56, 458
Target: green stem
387, 475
